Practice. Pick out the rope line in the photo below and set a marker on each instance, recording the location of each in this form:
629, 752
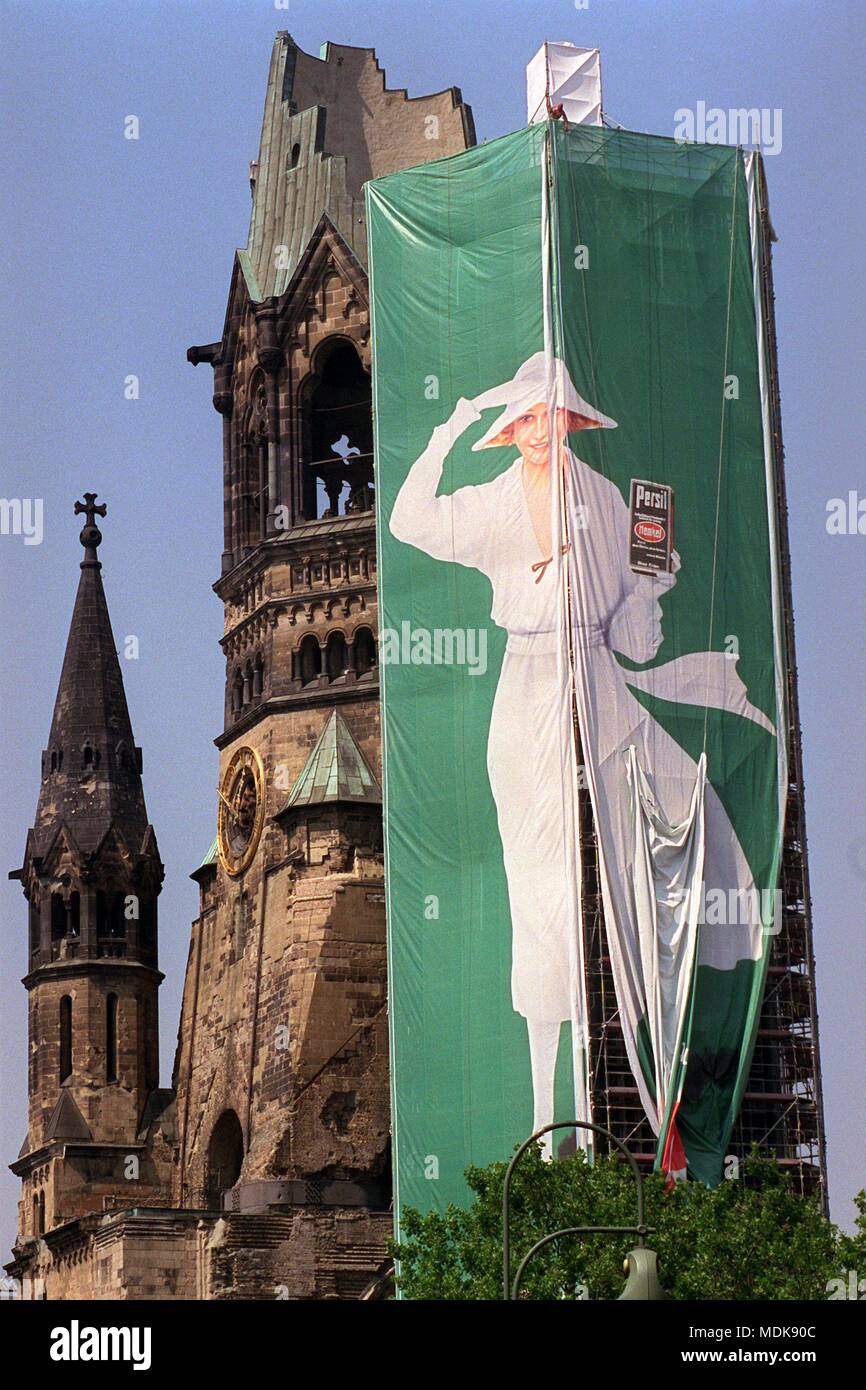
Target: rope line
721, 443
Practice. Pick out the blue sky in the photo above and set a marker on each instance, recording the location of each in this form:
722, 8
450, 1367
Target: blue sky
121, 253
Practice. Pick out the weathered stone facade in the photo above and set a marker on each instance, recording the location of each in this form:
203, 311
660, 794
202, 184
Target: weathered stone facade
265, 1171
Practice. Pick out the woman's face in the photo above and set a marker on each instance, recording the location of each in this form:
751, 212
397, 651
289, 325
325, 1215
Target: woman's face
531, 434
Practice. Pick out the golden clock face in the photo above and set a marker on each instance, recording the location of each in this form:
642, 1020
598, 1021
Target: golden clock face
241, 812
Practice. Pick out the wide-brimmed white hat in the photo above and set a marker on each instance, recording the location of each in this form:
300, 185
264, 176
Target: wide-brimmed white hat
528, 387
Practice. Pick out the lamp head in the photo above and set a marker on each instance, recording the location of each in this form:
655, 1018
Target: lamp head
641, 1267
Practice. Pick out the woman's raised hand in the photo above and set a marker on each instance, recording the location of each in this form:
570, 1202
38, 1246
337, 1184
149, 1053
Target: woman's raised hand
463, 415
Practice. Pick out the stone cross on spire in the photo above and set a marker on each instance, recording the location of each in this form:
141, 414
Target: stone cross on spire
91, 535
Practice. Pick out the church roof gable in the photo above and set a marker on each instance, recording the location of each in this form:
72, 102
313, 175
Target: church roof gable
67, 1121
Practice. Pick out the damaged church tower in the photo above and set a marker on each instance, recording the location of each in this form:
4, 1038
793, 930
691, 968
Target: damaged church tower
282, 1066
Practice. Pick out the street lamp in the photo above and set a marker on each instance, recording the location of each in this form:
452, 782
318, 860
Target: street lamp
640, 1263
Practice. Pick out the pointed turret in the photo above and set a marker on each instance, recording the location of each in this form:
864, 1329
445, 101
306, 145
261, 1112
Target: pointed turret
333, 814
336, 770
91, 769
91, 876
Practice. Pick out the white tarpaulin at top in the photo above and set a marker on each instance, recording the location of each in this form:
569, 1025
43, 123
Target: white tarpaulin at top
565, 76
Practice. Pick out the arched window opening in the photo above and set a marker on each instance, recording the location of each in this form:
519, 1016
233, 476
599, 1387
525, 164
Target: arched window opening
59, 917
246, 495
225, 1156
309, 660
65, 1039
296, 154
53, 762
248, 684
258, 676
38, 1206
74, 915
147, 927
90, 756
254, 499
336, 656
238, 692
337, 438
365, 651
111, 1037
110, 916
35, 930
117, 916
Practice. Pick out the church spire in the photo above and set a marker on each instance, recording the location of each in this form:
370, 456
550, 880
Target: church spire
91, 876
91, 769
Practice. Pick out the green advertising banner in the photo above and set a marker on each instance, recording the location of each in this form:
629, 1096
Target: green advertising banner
578, 588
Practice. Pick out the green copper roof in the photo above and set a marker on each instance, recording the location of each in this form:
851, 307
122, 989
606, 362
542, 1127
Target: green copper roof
210, 857
336, 770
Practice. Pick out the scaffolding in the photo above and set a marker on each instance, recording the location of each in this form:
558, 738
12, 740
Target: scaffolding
782, 1108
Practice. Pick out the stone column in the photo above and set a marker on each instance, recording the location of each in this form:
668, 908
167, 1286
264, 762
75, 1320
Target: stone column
45, 927
88, 921
224, 403
270, 359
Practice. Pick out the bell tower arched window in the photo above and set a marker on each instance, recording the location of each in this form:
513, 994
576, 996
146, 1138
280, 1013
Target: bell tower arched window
253, 499
337, 433
365, 651
65, 916
39, 1213
58, 917
309, 660
336, 658
35, 915
147, 927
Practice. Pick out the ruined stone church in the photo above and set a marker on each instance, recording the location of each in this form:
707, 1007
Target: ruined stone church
264, 1170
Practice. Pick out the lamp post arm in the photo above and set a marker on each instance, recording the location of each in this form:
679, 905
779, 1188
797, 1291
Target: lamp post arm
639, 1231
639, 1228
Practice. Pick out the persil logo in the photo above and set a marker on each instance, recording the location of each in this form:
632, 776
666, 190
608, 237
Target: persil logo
649, 531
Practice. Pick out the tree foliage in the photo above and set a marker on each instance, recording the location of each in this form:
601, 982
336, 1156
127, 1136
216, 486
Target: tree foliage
750, 1238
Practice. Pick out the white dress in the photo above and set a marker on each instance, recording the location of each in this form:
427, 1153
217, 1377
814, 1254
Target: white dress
660, 822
